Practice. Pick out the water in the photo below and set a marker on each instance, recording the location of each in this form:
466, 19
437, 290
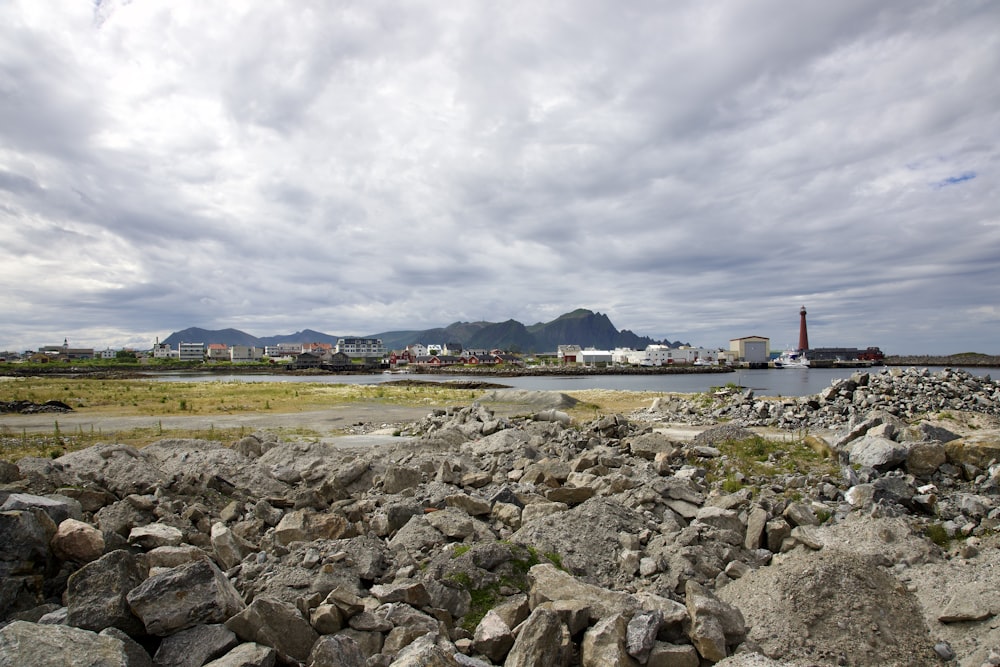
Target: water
764, 381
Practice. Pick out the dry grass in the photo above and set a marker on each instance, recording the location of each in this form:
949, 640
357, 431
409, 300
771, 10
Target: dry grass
151, 398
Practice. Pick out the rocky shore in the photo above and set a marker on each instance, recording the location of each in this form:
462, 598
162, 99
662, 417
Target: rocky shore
861, 531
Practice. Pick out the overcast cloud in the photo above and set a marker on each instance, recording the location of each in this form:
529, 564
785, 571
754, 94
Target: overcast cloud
697, 171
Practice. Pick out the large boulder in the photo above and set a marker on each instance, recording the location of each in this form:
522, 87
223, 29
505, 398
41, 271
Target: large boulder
543, 640
586, 537
77, 541
276, 624
59, 508
121, 469
977, 449
23, 643
183, 597
195, 646
96, 594
205, 463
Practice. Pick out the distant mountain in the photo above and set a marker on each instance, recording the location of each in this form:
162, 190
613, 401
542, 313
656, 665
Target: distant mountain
206, 336
305, 336
581, 327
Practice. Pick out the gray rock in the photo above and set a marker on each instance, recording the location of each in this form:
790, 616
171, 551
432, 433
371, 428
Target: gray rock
135, 654
336, 651
24, 540
801, 514
452, 522
276, 624
96, 594
183, 597
877, 452
121, 469
410, 591
756, 522
715, 625
23, 643
59, 508
155, 535
549, 584
641, 634
665, 654
247, 655
924, 458
195, 646
399, 478
966, 604
493, 637
542, 641
605, 643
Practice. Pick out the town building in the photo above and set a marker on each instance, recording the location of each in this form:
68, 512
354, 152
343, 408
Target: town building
282, 350
245, 354
191, 351
751, 349
361, 347
218, 352
164, 351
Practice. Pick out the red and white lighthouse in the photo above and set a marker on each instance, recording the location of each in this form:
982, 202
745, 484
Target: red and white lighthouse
803, 334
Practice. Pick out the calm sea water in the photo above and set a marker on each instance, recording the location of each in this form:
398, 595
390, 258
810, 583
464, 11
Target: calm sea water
764, 382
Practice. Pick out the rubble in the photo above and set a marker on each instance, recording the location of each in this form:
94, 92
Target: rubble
486, 540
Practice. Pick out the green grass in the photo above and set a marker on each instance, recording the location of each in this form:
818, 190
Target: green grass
760, 457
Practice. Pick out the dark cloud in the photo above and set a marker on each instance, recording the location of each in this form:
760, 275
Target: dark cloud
696, 172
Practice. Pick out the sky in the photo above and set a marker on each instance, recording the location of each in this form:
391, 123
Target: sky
698, 171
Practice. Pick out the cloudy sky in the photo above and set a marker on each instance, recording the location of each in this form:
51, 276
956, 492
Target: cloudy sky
697, 171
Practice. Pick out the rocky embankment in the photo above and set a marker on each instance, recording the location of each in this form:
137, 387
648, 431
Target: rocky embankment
486, 540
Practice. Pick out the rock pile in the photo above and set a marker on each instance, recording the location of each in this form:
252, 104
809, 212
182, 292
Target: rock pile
904, 393
491, 540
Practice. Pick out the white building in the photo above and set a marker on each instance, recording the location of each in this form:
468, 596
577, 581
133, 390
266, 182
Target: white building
283, 350
243, 354
590, 356
568, 354
751, 349
164, 351
191, 351
361, 347
417, 350
108, 354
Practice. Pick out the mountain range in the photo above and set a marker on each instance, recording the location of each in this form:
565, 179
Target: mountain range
580, 327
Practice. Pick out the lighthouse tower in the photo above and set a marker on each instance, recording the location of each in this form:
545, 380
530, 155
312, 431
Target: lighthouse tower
803, 334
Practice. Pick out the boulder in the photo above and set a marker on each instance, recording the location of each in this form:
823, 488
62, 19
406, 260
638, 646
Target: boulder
155, 535
925, 457
59, 508
183, 597
640, 636
977, 449
606, 643
195, 646
247, 655
23, 643
276, 624
542, 640
715, 625
877, 452
549, 584
336, 651
77, 541
493, 637
121, 469
96, 594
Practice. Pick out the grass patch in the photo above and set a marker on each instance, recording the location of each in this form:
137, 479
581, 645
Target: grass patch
758, 456
937, 534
